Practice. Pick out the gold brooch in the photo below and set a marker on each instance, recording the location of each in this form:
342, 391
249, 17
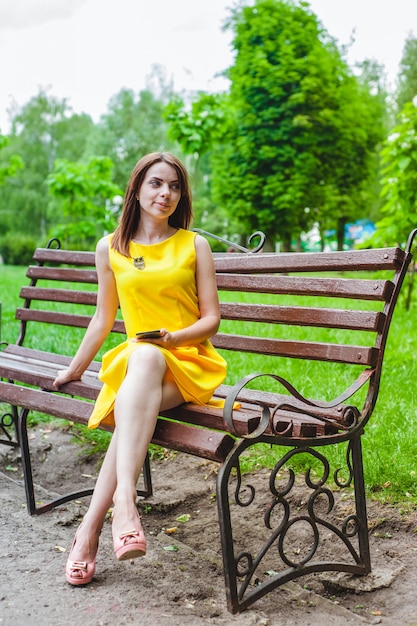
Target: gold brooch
139, 262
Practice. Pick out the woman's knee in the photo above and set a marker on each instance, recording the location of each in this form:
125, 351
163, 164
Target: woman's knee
148, 359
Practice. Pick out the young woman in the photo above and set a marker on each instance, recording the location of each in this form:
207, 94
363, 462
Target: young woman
162, 276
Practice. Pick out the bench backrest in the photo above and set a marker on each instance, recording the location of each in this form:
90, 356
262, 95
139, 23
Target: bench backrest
268, 301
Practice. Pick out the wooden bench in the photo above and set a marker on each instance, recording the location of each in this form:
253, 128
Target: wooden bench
331, 310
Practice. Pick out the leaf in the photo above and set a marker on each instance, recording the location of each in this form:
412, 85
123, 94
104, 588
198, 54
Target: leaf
183, 518
60, 549
171, 548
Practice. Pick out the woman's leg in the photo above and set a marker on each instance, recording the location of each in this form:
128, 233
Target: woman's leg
145, 390
129, 409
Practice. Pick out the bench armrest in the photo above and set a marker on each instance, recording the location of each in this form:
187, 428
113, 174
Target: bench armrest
336, 414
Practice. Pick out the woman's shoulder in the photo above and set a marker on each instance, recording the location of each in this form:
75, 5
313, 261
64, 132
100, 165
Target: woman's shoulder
103, 243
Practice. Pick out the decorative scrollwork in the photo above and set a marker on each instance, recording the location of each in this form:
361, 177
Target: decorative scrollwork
7, 421
313, 548
236, 246
337, 417
239, 489
345, 483
244, 564
54, 243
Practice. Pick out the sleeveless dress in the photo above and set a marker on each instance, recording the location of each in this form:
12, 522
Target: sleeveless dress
160, 292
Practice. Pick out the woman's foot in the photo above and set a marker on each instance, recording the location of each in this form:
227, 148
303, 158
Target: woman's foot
81, 563
128, 537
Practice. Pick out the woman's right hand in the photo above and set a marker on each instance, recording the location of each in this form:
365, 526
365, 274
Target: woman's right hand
64, 376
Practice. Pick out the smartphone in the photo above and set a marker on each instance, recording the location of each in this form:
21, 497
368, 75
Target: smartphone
149, 334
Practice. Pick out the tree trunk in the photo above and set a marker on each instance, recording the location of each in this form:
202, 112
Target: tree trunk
340, 232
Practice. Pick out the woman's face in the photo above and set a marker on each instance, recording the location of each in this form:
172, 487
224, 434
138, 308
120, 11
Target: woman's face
160, 191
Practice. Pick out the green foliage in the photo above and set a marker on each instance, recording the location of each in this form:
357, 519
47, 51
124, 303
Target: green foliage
196, 129
132, 127
11, 165
301, 129
407, 82
42, 131
17, 249
86, 195
399, 181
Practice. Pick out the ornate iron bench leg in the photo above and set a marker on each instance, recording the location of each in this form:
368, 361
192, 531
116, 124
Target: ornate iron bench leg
297, 537
32, 506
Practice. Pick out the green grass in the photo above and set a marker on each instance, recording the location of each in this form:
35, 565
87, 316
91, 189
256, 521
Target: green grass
390, 440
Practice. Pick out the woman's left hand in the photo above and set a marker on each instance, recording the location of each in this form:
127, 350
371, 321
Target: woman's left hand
166, 339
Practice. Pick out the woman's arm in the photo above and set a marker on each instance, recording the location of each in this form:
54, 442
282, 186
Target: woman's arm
102, 321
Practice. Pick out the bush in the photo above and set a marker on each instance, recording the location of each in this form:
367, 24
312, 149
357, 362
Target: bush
17, 249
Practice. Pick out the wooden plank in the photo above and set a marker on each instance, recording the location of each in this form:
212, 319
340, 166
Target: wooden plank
48, 357
303, 316
68, 274
60, 406
201, 442
63, 319
205, 443
245, 419
354, 355
355, 260
56, 255
362, 289
59, 295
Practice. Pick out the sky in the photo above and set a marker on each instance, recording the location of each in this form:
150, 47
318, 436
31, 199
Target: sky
86, 51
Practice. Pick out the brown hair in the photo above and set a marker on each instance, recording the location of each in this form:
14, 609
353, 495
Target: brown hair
130, 216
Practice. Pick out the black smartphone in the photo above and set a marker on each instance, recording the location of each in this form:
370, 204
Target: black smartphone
149, 334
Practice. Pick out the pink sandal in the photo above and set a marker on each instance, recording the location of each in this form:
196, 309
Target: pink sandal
79, 572
130, 545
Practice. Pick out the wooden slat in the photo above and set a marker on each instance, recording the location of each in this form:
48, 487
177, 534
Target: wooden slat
303, 316
245, 420
201, 442
360, 355
59, 295
208, 444
56, 405
67, 274
63, 319
48, 357
73, 257
362, 289
356, 260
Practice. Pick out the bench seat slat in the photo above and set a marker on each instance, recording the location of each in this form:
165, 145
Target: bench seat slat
362, 289
303, 316
45, 357
201, 442
360, 355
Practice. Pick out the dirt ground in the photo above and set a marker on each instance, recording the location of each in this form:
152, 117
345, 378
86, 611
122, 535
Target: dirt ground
180, 580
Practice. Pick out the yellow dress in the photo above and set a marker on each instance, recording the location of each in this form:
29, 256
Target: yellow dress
161, 293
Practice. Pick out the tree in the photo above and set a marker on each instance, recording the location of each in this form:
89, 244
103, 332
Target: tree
301, 133
10, 165
88, 200
399, 180
407, 79
132, 127
42, 131
196, 126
